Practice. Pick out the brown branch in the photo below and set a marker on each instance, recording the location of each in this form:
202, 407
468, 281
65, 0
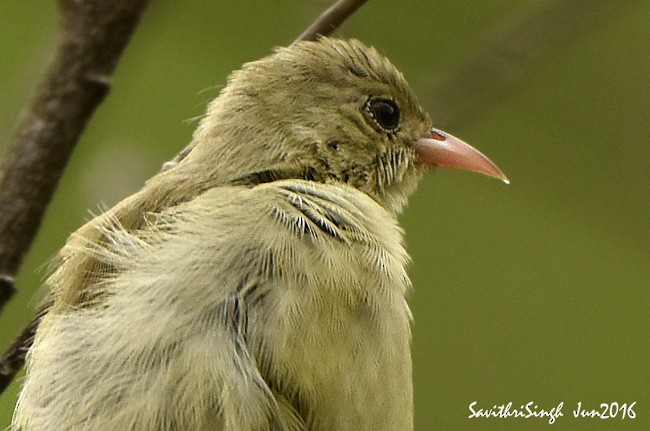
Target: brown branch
14, 357
331, 19
94, 34
7, 289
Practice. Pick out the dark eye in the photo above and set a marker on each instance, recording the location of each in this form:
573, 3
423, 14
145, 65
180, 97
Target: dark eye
385, 112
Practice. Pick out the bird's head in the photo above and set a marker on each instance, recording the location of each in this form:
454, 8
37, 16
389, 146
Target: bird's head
329, 111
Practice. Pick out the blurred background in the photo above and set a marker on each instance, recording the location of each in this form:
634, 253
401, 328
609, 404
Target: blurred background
537, 291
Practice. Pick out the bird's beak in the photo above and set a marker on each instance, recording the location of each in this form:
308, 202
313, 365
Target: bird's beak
442, 149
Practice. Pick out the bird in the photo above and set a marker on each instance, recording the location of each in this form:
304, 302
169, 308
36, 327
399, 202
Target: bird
259, 280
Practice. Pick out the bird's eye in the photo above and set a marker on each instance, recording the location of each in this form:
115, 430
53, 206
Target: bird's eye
385, 112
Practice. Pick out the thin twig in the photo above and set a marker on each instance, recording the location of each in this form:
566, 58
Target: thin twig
94, 34
14, 357
331, 19
324, 25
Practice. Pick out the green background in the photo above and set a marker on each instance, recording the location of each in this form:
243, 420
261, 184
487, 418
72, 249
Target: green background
537, 291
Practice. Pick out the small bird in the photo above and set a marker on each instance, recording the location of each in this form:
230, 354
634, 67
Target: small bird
258, 281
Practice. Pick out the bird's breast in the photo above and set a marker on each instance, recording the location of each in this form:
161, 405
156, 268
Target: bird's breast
334, 325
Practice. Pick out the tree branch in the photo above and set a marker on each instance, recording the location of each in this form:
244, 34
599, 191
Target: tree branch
94, 34
331, 19
14, 357
7, 289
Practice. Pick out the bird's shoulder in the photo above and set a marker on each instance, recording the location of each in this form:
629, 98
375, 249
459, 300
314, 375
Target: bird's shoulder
279, 231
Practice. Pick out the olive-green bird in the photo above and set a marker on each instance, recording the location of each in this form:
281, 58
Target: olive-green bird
258, 282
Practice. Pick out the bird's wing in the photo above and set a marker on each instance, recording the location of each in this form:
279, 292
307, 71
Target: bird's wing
169, 311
